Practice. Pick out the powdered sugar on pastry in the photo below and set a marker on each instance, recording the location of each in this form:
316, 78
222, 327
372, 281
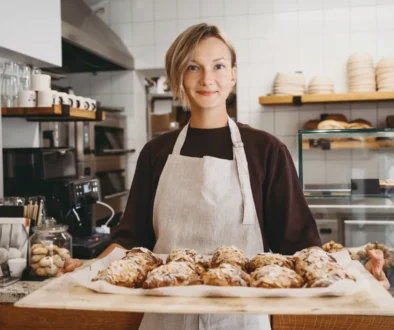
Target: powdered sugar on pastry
275, 276
188, 255
124, 273
172, 274
225, 275
230, 255
265, 259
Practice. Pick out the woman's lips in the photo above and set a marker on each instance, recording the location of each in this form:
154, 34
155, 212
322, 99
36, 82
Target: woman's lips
204, 93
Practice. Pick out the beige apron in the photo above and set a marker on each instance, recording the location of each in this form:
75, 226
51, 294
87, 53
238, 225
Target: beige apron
202, 203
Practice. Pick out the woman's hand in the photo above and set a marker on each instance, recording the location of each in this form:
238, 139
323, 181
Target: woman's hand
69, 265
375, 267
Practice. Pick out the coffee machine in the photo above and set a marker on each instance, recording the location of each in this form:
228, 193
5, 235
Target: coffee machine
51, 172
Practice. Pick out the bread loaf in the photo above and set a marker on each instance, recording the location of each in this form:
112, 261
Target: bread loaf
335, 116
311, 124
332, 124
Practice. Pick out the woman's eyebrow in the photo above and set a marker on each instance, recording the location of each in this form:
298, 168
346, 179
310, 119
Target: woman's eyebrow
215, 60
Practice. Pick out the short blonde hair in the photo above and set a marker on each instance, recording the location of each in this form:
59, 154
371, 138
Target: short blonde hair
180, 53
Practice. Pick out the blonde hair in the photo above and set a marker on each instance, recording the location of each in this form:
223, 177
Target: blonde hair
180, 53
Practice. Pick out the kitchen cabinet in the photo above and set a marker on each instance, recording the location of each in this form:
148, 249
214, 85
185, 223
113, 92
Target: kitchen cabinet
31, 32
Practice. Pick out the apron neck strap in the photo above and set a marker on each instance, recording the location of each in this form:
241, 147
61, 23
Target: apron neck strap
234, 131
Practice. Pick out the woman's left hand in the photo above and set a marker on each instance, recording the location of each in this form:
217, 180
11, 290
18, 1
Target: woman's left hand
375, 267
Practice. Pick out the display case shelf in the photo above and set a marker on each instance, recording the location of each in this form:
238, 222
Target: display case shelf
372, 138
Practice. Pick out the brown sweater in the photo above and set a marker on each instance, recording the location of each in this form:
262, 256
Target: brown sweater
286, 222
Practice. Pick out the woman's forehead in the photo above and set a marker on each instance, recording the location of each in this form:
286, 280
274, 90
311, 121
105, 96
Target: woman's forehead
211, 49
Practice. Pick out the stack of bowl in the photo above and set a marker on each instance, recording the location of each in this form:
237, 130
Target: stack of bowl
385, 74
289, 84
321, 85
361, 73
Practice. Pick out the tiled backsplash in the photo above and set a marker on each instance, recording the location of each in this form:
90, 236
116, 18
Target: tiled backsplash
313, 36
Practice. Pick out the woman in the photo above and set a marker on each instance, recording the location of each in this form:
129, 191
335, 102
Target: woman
214, 182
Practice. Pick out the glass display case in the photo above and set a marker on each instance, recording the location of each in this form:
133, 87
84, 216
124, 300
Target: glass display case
348, 180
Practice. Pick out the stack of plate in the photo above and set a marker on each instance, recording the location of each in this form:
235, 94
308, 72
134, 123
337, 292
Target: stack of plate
289, 84
321, 85
385, 74
361, 73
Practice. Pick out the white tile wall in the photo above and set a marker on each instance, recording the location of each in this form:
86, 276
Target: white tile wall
316, 36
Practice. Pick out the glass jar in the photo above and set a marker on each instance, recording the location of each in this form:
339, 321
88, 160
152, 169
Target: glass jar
49, 247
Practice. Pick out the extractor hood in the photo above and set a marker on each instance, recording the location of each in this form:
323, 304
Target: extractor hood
88, 44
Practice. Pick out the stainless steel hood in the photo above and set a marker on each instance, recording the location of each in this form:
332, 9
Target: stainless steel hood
88, 44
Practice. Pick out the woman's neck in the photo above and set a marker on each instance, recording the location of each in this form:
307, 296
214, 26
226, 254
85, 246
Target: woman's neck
208, 119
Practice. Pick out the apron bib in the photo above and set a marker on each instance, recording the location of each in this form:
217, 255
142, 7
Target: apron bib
203, 203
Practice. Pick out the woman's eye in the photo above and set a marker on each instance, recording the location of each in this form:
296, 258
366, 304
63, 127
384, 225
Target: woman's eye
192, 68
219, 66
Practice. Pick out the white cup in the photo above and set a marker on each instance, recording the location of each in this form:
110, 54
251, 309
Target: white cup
72, 100
92, 104
63, 98
41, 82
44, 98
17, 266
55, 97
27, 99
82, 103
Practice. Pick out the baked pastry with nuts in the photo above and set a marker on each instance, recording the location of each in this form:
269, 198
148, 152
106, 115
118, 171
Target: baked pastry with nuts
125, 272
188, 255
325, 275
230, 255
172, 274
144, 257
265, 259
275, 276
332, 247
225, 275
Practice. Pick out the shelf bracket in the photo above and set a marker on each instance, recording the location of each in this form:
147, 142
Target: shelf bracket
297, 101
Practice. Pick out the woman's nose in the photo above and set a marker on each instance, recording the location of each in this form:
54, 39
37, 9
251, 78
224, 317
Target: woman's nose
206, 78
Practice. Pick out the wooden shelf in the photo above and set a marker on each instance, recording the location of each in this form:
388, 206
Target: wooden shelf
55, 113
323, 144
326, 98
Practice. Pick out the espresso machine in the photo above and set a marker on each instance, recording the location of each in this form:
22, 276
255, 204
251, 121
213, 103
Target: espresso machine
52, 173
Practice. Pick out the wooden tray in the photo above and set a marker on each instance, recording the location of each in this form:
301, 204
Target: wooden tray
61, 293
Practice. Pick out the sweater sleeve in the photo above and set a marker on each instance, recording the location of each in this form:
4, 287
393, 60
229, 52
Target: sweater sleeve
288, 221
135, 228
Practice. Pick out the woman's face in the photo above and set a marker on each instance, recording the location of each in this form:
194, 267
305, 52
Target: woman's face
209, 77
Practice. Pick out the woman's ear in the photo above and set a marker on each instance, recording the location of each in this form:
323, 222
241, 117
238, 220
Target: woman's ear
233, 76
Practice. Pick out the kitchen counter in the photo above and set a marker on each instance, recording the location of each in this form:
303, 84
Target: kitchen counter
19, 290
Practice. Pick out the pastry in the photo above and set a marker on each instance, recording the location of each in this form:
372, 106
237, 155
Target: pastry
188, 255
325, 274
64, 253
315, 257
275, 276
144, 258
230, 255
361, 121
58, 261
358, 125
332, 124
336, 117
172, 274
126, 273
332, 247
225, 275
39, 249
265, 259
311, 124
46, 262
